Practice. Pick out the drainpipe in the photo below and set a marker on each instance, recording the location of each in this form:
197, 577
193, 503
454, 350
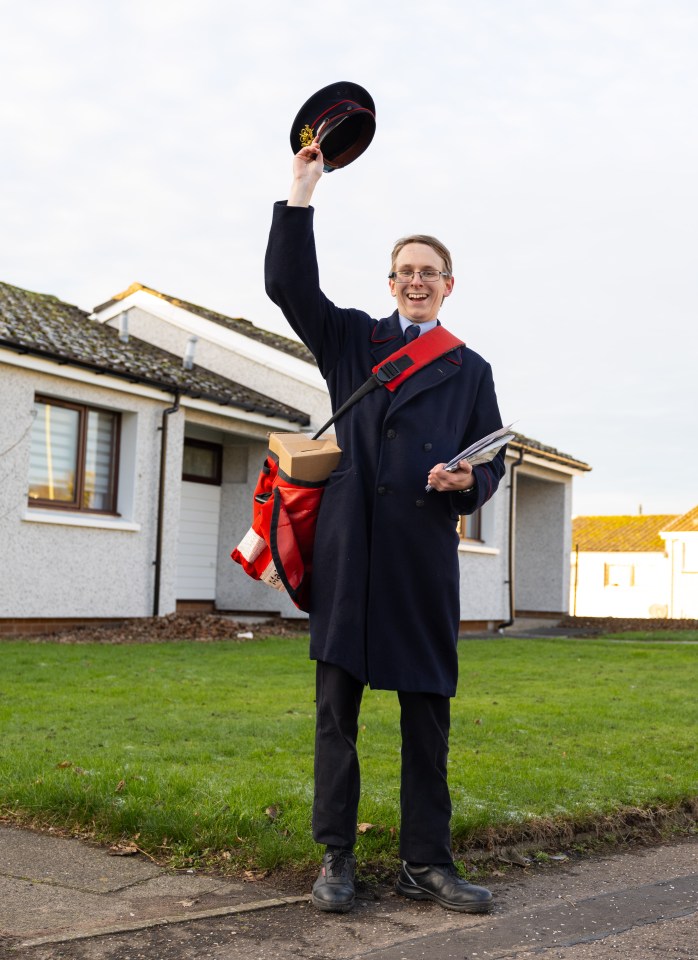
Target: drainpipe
512, 524
157, 563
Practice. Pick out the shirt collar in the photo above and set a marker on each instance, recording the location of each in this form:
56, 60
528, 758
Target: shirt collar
423, 327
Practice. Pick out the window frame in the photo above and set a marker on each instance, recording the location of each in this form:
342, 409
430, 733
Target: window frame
611, 577
216, 449
476, 519
75, 506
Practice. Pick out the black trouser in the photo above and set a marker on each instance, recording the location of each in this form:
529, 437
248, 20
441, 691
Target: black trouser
425, 803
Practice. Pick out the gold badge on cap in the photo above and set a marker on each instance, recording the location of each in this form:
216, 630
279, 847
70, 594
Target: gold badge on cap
307, 136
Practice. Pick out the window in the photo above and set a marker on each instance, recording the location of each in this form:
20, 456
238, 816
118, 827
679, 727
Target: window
73, 457
618, 575
470, 527
202, 461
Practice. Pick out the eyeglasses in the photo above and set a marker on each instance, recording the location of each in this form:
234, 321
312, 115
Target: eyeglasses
426, 276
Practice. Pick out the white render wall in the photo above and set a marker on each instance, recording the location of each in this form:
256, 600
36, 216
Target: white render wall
648, 597
72, 565
484, 569
541, 547
57, 565
681, 551
543, 521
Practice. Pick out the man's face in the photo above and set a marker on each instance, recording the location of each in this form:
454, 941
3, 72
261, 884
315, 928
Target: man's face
416, 300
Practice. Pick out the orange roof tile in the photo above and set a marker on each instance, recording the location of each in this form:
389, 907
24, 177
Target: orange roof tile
686, 523
622, 534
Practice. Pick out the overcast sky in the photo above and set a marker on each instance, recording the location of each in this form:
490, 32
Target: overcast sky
551, 144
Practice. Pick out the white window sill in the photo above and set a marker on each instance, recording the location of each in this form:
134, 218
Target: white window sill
468, 547
66, 519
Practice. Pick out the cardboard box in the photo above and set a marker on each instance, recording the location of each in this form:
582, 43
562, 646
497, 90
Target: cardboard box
302, 458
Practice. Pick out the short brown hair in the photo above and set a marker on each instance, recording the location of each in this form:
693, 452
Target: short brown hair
428, 241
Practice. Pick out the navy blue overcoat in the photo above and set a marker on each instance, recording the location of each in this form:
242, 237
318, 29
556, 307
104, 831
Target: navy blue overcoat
385, 580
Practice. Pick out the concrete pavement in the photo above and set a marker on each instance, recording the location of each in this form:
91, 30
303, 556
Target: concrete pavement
62, 899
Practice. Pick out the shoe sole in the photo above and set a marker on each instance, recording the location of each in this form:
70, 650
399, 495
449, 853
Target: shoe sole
333, 907
415, 893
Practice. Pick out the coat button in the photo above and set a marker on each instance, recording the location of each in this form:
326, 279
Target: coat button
427, 446
419, 503
381, 490
391, 434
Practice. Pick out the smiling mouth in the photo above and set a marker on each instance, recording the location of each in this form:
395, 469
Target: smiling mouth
417, 296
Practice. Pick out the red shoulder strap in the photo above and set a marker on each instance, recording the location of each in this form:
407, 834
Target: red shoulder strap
400, 365
427, 347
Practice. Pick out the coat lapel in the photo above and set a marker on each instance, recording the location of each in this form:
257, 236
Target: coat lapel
386, 338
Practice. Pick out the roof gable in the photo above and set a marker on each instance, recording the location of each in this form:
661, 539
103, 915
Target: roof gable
236, 324
686, 523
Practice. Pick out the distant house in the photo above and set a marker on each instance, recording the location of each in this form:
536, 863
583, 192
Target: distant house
129, 450
635, 566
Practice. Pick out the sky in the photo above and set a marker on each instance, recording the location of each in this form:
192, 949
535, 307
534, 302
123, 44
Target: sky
552, 145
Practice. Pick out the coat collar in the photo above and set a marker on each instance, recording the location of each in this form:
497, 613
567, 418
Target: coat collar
386, 337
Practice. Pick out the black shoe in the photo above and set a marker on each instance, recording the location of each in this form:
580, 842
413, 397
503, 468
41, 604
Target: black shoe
334, 888
443, 885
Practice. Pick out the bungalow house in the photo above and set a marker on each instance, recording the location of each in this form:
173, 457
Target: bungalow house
635, 566
129, 450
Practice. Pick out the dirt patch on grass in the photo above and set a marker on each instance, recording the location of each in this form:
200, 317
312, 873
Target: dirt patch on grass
598, 626
201, 628
624, 826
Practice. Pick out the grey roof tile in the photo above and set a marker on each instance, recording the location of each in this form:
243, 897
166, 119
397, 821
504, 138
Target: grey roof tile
546, 452
42, 324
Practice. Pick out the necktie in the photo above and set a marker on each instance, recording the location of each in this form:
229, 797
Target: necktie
411, 333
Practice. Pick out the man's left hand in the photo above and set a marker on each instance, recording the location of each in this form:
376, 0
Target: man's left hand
451, 481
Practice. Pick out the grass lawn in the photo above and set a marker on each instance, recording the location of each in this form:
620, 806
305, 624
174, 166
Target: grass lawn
202, 752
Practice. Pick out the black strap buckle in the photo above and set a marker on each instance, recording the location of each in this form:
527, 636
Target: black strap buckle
393, 368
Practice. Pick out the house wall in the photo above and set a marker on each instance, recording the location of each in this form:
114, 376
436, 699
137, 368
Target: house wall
541, 548
57, 565
543, 514
219, 354
648, 596
483, 568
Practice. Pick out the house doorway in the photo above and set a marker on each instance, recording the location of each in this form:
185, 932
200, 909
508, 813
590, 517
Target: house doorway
199, 521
